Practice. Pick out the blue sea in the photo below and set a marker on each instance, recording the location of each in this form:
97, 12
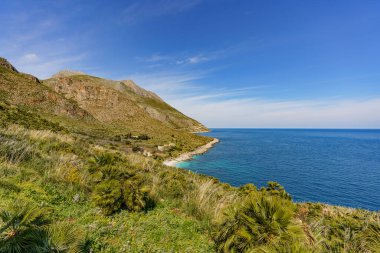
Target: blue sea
340, 167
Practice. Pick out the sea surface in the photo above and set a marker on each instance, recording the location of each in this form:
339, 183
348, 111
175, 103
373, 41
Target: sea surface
340, 167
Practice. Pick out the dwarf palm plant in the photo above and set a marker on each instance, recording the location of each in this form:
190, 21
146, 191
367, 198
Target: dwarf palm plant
63, 238
108, 196
260, 220
21, 228
136, 196
24, 228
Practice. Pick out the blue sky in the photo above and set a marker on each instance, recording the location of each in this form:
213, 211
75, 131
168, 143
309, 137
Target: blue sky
227, 63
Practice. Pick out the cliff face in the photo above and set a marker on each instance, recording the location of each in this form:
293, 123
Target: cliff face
122, 102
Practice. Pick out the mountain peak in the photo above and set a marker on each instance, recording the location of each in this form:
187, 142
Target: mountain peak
66, 73
5, 63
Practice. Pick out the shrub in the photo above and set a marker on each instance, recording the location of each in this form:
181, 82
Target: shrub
275, 189
247, 189
172, 185
116, 172
63, 237
24, 228
108, 196
260, 220
136, 196
105, 159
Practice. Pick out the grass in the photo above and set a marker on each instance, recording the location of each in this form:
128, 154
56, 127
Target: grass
58, 171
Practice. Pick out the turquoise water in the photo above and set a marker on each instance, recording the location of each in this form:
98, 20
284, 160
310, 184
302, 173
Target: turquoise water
340, 167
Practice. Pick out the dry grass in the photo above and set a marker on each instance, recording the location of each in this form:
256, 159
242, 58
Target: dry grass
39, 135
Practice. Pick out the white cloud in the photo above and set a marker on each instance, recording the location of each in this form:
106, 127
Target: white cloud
197, 59
30, 58
264, 113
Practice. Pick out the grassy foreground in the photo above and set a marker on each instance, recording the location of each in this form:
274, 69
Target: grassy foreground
62, 193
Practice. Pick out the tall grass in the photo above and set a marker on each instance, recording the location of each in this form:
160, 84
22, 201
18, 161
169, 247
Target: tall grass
207, 200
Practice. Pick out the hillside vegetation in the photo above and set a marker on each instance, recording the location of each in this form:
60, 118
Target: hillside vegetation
77, 182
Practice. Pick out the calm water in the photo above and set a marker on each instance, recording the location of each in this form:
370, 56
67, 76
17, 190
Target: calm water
339, 167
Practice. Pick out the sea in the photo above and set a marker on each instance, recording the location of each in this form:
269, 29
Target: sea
334, 166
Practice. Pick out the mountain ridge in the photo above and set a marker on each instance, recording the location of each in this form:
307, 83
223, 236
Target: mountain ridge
120, 98
96, 107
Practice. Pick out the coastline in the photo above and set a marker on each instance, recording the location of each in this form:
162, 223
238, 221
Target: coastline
189, 155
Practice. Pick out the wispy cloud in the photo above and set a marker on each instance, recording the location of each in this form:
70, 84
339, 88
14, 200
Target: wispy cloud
145, 9
168, 83
263, 113
184, 58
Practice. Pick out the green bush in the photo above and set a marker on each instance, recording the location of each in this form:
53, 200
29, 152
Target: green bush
261, 220
105, 159
136, 196
116, 172
108, 196
247, 189
25, 228
275, 189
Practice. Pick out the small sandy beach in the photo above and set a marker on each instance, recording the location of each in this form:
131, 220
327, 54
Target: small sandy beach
189, 155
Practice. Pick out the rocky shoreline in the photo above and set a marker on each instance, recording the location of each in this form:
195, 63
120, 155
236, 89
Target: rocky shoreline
189, 155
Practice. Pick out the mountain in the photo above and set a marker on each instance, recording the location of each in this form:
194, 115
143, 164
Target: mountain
98, 107
120, 102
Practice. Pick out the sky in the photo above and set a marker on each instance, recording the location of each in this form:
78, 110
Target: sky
226, 63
